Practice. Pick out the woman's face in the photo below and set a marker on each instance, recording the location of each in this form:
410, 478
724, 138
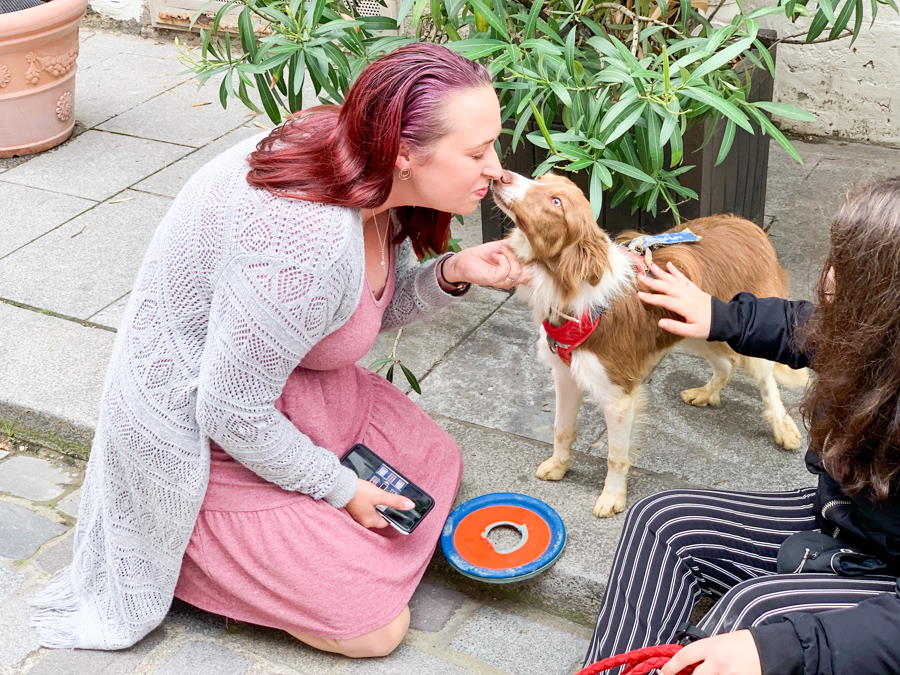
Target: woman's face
456, 172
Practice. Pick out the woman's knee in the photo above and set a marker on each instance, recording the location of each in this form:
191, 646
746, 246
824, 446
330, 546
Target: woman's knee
380, 642
748, 603
653, 506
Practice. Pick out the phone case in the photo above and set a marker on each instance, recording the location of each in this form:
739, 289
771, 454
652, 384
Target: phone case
369, 466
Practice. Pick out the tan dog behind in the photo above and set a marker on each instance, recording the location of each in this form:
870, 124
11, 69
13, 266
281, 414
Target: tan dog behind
575, 266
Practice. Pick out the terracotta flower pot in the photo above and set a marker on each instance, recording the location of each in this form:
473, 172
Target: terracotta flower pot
38, 48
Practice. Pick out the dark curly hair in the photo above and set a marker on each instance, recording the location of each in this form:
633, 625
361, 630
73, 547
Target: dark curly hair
853, 405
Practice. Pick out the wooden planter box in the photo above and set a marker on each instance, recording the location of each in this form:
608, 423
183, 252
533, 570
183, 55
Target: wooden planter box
737, 185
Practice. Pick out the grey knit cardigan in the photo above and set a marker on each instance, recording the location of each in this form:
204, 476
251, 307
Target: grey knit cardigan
236, 287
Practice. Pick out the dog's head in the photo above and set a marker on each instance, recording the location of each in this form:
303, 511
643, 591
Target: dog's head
554, 228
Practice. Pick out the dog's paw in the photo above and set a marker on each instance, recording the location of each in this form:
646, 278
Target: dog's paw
552, 469
700, 396
787, 434
609, 505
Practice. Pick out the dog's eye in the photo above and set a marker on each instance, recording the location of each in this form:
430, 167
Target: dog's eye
556, 201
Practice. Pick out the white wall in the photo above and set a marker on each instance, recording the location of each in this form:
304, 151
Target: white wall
854, 91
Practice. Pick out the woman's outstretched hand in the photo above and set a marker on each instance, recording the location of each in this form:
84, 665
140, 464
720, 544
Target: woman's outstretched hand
367, 497
678, 294
725, 654
490, 264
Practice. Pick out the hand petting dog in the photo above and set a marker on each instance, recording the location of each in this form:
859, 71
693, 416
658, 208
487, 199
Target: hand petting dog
678, 294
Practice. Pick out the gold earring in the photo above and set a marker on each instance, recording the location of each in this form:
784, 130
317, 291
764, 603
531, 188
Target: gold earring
405, 173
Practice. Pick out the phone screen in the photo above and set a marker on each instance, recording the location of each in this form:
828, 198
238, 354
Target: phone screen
372, 468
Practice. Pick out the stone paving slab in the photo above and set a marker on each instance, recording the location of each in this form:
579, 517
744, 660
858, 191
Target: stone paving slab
184, 114
95, 165
22, 531
52, 373
521, 645
81, 267
23, 222
148, 76
170, 180
204, 658
33, 478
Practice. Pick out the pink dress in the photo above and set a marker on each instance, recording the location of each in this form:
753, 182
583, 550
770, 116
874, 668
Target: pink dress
283, 559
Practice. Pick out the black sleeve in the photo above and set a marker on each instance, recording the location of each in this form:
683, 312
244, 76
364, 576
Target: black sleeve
760, 327
860, 639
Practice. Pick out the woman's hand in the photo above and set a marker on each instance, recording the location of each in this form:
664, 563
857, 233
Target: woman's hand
490, 264
678, 294
362, 506
726, 654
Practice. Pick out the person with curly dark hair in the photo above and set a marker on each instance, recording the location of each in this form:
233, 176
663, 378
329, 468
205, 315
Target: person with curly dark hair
806, 579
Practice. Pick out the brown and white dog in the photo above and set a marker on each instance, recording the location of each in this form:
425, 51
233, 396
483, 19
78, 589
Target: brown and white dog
575, 267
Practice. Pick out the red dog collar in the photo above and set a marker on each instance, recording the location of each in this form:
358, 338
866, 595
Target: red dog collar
569, 335
565, 337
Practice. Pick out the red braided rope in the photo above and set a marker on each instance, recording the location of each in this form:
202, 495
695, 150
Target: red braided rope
638, 661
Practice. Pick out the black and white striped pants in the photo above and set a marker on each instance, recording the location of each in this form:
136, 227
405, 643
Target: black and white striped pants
679, 544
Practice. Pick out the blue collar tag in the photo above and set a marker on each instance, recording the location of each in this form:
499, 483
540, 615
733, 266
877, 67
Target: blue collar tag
648, 242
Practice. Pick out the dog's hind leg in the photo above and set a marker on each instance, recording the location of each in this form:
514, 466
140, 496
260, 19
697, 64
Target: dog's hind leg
568, 401
783, 426
722, 360
620, 410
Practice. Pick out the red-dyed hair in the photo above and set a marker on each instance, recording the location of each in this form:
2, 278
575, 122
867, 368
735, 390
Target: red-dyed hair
344, 155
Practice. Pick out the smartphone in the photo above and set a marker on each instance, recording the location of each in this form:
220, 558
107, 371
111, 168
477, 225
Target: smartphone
372, 468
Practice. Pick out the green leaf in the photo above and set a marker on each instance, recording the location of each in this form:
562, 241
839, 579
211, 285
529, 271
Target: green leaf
570, 50
561, 93
766, 55
654, 147
775, 133
541, 46
842, 19
476, 48
633, 115
816, 26
627, 170
223, 91
596, 193
413, 382
524, 116
721, 58
676, 147
481, 7
727, 141
668, 127
606, 178
827, 8
245, 30
724, 106
533, 15
783, 110
542, 125
618, 109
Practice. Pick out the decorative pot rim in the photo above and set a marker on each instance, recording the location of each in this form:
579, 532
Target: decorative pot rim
41, 18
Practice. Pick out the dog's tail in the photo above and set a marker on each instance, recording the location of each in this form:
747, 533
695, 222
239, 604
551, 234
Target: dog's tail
791, 377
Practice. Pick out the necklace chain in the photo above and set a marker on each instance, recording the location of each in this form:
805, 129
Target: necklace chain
382, 240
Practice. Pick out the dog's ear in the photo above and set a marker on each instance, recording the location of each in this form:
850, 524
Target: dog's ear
582, 261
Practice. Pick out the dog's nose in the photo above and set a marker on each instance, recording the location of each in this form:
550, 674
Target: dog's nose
506, 177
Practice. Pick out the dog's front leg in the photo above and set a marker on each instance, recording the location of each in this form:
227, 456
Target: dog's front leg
568, 401
620, 410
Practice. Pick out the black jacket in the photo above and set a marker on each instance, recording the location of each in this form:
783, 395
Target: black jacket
864, 639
